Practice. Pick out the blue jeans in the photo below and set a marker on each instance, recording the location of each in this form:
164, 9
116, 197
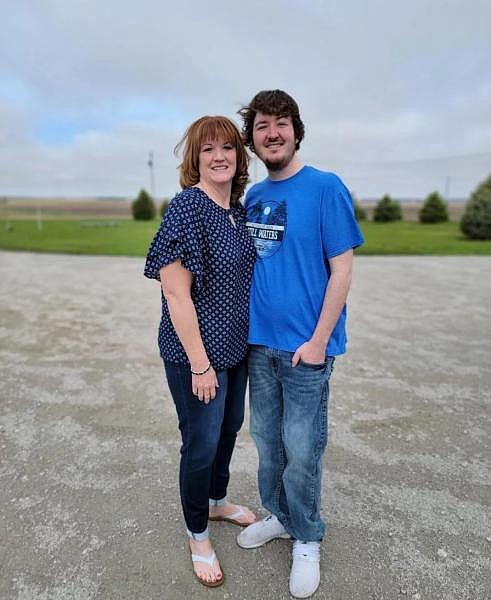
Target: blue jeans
289, 426
208, 433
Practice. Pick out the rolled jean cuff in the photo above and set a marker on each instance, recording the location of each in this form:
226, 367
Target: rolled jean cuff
199, 537
220, 502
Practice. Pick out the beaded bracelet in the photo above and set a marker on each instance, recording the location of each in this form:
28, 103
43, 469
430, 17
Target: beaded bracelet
202, 372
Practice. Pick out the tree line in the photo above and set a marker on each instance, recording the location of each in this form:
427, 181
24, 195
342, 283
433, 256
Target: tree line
474, 224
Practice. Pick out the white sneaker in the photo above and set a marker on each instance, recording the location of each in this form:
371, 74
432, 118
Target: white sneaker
260, 532
305, 573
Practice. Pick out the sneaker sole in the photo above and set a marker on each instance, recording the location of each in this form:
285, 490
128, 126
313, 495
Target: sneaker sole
306, 595
283, 536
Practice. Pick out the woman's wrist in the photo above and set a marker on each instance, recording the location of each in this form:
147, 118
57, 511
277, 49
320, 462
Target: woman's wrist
201, 371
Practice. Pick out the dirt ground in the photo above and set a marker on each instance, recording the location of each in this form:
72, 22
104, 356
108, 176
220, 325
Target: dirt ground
89, 445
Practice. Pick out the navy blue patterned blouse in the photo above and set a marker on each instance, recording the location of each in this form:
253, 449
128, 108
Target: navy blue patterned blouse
221, 258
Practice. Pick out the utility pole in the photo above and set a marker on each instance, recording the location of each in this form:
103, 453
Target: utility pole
152, 178
447, 187
39, 216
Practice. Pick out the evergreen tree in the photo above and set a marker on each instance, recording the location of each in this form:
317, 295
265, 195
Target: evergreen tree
279, 215
164, 206
143, 208
387, 210
434, 209
360, 213
256, 212
476, 220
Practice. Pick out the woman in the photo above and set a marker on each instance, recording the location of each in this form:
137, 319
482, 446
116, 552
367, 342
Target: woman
203, 256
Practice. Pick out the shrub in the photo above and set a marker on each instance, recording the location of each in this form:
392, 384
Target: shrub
164, 206
387, 210
484, 186
476, 220
434, 209
360, 213
143, 208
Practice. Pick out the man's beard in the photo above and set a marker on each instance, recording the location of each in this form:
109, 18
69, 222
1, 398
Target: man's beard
278, 165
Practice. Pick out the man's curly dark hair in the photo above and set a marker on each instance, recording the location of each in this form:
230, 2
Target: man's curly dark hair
271, 102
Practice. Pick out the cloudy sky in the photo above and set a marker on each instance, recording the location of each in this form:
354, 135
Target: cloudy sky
395, 95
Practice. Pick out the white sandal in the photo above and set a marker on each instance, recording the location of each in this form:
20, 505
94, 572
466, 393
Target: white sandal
233, 518
208, 560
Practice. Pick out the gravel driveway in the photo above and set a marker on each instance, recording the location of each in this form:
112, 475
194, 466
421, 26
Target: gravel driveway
89, 443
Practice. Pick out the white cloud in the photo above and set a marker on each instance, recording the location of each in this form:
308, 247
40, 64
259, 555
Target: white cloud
88, 88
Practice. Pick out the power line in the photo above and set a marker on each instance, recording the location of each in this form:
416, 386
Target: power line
415, 160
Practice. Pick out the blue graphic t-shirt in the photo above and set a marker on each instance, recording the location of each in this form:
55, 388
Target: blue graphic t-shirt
297, 224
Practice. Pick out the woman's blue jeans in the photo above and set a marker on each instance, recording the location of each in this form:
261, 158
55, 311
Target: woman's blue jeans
208, 433
289, 425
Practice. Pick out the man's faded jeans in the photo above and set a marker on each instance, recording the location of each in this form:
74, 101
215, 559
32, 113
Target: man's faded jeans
289, 425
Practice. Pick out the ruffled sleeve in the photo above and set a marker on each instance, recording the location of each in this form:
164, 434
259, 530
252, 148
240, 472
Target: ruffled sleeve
179, 236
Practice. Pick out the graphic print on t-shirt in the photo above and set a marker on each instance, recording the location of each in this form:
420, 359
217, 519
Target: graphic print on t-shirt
266, 222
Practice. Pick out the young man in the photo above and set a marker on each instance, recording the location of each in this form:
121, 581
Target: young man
303, 226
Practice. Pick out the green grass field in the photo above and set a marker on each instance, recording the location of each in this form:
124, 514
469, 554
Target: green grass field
112, 237
131, 238
414, 238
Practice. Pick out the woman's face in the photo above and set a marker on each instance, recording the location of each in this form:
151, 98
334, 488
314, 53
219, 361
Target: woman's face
217, 162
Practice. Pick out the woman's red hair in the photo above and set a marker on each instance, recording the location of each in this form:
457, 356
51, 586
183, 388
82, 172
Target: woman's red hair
210, 129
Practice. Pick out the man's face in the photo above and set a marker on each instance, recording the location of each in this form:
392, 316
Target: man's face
274, 140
